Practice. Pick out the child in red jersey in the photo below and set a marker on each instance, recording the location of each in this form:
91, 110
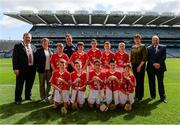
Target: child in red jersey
96, 82
55, 59
60, 80
128, 85
93, 54
121, 57
106, 56
112, 85
79, 55
79, 80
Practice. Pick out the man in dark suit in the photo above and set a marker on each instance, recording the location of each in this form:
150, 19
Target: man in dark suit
24, 67
156, 67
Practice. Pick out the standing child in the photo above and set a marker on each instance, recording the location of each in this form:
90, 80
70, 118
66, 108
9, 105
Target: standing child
96, 83
56, 57
106, 56
121, 57
93, 54
79, 55
127, 87
60, 80
112, 85
78, 86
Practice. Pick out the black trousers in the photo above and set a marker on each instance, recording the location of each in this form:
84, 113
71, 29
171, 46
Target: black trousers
28, 77
152, 82
139, 90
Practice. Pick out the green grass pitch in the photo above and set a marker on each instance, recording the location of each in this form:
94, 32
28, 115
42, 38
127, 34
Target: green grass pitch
146, 111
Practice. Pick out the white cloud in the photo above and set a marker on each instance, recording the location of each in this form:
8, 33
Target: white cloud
123, 5
7, 22
72, 5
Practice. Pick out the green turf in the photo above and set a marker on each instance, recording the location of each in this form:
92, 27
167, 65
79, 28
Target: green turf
144, 112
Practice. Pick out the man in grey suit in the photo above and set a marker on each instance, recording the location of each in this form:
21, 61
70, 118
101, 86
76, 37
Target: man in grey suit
24, 67
156, 67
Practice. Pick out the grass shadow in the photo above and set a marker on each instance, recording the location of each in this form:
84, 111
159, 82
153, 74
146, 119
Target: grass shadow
7, 110
142, 108
85, 115
44, 113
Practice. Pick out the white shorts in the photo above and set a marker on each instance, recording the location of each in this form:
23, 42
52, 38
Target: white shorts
120, 69
95, 96
61, 98
123, 98
109, 96
80, 97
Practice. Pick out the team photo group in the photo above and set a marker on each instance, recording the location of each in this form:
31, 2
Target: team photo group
104, 79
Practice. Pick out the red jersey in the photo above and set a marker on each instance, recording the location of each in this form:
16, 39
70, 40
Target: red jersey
131, 87
55, 59
95, 85
93, 55
115, 83
65, 75
121, 59
82, 57
82, 82
106, 58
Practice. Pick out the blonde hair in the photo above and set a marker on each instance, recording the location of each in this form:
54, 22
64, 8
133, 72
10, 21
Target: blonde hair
60, 44
122, 44
107, 43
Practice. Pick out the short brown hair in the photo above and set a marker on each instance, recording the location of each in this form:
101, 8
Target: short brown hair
97, 60
63, 61
27, 34
137, 36
94, 41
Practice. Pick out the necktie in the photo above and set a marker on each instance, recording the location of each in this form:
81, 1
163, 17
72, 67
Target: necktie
156, 49
29, 55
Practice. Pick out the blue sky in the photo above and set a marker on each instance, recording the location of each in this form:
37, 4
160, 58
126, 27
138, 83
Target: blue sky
13, 29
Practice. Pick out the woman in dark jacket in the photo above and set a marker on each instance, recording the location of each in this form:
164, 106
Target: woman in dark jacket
43, 56
138, 60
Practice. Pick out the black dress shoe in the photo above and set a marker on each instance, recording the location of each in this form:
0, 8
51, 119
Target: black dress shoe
152, 98
29, 98
18, 102
164, 100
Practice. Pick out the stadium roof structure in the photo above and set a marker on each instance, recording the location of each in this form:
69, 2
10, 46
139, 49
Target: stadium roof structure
83, 17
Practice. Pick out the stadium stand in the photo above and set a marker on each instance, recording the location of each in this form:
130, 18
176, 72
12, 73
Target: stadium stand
115, 26
6, 47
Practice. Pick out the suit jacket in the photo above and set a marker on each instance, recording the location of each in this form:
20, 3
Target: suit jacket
41, 59
20, 58
156, 57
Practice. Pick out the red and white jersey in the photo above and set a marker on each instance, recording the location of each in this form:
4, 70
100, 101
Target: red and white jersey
93, 55
121, 59
106, 58
83, 57
55, 59
82, 83
115, 84
95, 85
65, 75
131, 87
